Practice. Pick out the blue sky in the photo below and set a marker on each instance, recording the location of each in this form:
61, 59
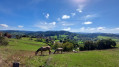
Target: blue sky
69, 15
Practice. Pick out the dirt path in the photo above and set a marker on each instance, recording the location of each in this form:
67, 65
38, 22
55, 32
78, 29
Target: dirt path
20, 56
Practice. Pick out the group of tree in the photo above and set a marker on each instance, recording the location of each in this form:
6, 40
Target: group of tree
67, 46
66, 43
18, 37
100, 44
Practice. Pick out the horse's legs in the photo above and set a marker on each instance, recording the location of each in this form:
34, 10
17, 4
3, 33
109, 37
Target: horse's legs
58, 51
55, 51
49, 51
61, 51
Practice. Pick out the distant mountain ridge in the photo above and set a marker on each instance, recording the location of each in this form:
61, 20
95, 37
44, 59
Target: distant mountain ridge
53, 33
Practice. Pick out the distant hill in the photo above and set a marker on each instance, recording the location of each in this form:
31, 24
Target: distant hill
53, 33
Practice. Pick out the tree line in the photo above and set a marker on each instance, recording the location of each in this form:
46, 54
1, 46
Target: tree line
100, 44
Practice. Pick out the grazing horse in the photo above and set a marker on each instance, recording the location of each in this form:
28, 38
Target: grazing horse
43, 49
59, 49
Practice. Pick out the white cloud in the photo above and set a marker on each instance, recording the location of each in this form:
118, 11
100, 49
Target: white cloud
80, 8
73, 14
45, 25
90, 29
4, 25
80, 4
89, 16
87, 22
96, 29
20, 26
77, 2
66, 23
65, 17
82, 29
53, 23
101, 28
67, 29
116, 28
58, 19
47, 15
87, 29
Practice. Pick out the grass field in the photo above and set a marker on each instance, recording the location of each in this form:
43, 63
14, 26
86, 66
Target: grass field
105, 37
22, 51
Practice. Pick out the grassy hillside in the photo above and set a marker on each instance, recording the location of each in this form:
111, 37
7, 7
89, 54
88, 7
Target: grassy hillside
24, 44
106, 37
22, 51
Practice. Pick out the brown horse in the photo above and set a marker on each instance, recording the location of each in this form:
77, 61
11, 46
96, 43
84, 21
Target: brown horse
59, 49
43, 49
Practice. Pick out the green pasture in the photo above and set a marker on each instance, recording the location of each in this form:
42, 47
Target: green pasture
24, 50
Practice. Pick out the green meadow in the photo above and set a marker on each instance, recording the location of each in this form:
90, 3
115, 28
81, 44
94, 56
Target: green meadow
23, 51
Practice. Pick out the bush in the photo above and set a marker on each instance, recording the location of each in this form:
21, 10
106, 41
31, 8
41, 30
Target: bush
3, 41
30, 38
39, 40
67, 46
81, 48
18, 37
113, 43
57, 45
89, 45
105, 44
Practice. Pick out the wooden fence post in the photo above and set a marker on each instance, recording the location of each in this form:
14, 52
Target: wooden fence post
15, 64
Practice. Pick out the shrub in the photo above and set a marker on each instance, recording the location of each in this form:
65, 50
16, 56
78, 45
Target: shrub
81, 48
89, 45
57, 45
3, 41
113, 43
30, 38
18, 37
39, 40
67, 46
